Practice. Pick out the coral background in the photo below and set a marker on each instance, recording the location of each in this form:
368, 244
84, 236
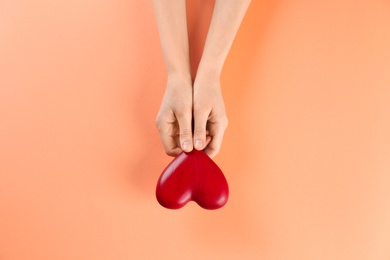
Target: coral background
306, 154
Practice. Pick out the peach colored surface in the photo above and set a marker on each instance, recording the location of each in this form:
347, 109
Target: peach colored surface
307, 152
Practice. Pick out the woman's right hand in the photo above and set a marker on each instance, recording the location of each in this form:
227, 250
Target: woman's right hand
174, 119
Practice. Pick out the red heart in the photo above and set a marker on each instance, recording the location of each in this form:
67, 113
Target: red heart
192, 176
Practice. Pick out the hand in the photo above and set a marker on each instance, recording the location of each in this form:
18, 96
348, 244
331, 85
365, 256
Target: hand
175, 116
209, 114
203, 102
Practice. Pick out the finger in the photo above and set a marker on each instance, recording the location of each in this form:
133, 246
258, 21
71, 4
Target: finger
169, 140
174, 152
185, 132
208, 139
216, 141
170, 146
200, 120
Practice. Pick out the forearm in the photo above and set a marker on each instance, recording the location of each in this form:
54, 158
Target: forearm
226, 20
172, 26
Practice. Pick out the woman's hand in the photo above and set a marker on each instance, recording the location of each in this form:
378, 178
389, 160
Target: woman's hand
183, 104
201, 103
175, 116
210, 120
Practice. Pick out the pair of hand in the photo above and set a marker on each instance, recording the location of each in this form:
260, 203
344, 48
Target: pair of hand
192, 115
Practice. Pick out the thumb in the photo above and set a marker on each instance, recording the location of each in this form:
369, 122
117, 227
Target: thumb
185, 133
200, 120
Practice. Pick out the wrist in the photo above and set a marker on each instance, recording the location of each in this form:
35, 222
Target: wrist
207, 77
212, 69
179, 79
178, 66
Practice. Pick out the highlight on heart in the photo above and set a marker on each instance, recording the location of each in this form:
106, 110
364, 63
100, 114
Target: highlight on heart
192, 176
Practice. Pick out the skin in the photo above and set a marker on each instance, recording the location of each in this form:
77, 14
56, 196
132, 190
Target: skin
192, 113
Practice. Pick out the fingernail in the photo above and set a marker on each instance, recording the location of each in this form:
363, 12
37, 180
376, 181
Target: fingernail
186, 145
198, 144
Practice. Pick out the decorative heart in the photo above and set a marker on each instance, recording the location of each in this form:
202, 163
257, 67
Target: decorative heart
192, 176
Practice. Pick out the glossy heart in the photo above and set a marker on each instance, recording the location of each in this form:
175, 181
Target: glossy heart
192, 176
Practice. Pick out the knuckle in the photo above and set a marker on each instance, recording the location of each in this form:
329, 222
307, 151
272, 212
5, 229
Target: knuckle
224, 122
202, 112
200, 132
183, 111
185, 132
198, 109
158, 122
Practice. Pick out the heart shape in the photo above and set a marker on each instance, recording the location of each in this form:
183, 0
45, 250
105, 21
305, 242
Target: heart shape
192, 176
